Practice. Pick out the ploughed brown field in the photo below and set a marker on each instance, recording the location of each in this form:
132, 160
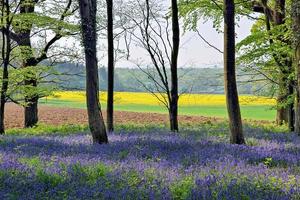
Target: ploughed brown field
14, 116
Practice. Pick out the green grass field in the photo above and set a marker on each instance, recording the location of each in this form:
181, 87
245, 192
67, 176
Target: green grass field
261, 112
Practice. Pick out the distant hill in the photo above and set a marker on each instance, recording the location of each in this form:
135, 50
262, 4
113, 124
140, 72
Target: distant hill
191, 80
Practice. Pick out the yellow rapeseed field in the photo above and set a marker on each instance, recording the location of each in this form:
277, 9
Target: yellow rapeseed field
149, 99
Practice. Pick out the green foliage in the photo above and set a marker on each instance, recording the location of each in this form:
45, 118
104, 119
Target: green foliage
25, 21
258, 45
268, 162
42, 129
90, 174
252, 142
193, 11
32, 162
18, 90
132, 178
267, 127
51, 180
266, 53
39, 20
123, 154
182, 188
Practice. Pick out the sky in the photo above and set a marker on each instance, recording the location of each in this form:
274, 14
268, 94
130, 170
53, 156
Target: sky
194, 52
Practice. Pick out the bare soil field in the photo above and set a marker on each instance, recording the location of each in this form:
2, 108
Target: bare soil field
14, 117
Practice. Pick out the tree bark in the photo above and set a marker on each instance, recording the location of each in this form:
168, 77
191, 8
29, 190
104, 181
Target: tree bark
110, 67
235, 121
291, 107
88, 10
174, 66
296, 31
285, 110
6, 50
31, 108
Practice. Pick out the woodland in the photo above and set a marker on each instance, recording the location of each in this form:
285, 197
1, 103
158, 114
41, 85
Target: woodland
73, 128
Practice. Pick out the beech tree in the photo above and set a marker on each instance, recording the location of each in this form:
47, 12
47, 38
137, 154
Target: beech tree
28, 25
88, 10
276, 26
232, 101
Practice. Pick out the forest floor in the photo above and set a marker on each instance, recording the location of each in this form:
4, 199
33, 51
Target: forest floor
147, 163
144, 160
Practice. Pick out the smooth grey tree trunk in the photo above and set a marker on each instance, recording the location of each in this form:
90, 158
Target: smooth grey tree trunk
235, 121
88, 9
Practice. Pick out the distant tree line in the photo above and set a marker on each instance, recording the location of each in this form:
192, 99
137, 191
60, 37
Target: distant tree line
191, 80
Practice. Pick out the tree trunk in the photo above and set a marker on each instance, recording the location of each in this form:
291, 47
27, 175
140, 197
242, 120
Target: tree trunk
281, 116
296, 30
110, 66
235, 121
174, 63
297, 66
4, 87
31, 112
6, 50
282, 111
2, 111
31, 108
285, 110
88, 9
286, 113
290, 108
173, 119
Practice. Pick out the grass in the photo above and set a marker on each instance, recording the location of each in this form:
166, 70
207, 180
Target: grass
255, 112
67, 129
45, 129
217, 128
